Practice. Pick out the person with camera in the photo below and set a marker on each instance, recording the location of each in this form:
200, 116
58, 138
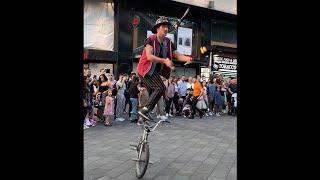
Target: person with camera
133, 95
101, 95
128, 83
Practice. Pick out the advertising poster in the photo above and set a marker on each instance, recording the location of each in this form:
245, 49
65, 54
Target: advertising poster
184, 45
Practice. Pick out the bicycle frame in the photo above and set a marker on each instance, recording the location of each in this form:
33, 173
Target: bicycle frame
144, 147
146, 131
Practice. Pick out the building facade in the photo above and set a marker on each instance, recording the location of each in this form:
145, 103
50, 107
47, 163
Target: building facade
132, 21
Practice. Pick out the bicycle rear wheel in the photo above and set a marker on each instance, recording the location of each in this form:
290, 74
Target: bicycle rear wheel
142, 160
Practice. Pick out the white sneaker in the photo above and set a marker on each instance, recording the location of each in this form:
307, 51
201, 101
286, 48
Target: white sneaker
167, 115
88, 123
218, 114
210, 113
170, 115
121, 119
207, 114
158, 116
163, 118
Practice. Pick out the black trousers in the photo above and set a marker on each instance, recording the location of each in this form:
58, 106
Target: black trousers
175, 102
130, 105
156, 89
194, 107
181, 106
168, 105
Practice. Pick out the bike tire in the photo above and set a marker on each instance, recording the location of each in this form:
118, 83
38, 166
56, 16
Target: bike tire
143, 155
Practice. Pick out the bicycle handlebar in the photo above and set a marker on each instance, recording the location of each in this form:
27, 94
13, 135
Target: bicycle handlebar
153, 129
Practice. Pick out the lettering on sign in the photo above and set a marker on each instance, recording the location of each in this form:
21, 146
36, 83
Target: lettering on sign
226, 63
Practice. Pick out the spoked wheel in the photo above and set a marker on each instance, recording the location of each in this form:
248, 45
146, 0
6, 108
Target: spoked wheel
142, 160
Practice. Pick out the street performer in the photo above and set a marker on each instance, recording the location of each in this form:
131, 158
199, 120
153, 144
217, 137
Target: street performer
156, 61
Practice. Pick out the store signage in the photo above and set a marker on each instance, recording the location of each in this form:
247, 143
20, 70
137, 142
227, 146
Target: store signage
226, 63
184, 44
215, 67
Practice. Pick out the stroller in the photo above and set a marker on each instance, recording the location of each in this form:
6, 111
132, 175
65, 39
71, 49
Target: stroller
99, 103
186, 111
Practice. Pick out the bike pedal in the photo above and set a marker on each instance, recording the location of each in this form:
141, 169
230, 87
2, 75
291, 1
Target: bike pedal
135, 159
134, 145
148, 126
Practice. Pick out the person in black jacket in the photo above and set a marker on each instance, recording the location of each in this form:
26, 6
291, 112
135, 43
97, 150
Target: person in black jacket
133, 91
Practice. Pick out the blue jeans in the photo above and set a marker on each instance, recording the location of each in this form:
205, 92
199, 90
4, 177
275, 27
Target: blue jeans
134, 111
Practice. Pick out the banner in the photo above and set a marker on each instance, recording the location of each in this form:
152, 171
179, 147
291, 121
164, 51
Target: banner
98, 25
227, 64
184, 44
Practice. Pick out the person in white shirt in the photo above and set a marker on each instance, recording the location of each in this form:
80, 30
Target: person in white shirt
190, 83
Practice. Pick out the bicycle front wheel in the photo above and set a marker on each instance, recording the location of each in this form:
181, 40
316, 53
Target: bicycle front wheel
142, 160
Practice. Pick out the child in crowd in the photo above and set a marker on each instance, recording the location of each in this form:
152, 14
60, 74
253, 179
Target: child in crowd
108, 109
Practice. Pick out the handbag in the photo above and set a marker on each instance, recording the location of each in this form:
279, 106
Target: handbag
225, 99
201, 104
